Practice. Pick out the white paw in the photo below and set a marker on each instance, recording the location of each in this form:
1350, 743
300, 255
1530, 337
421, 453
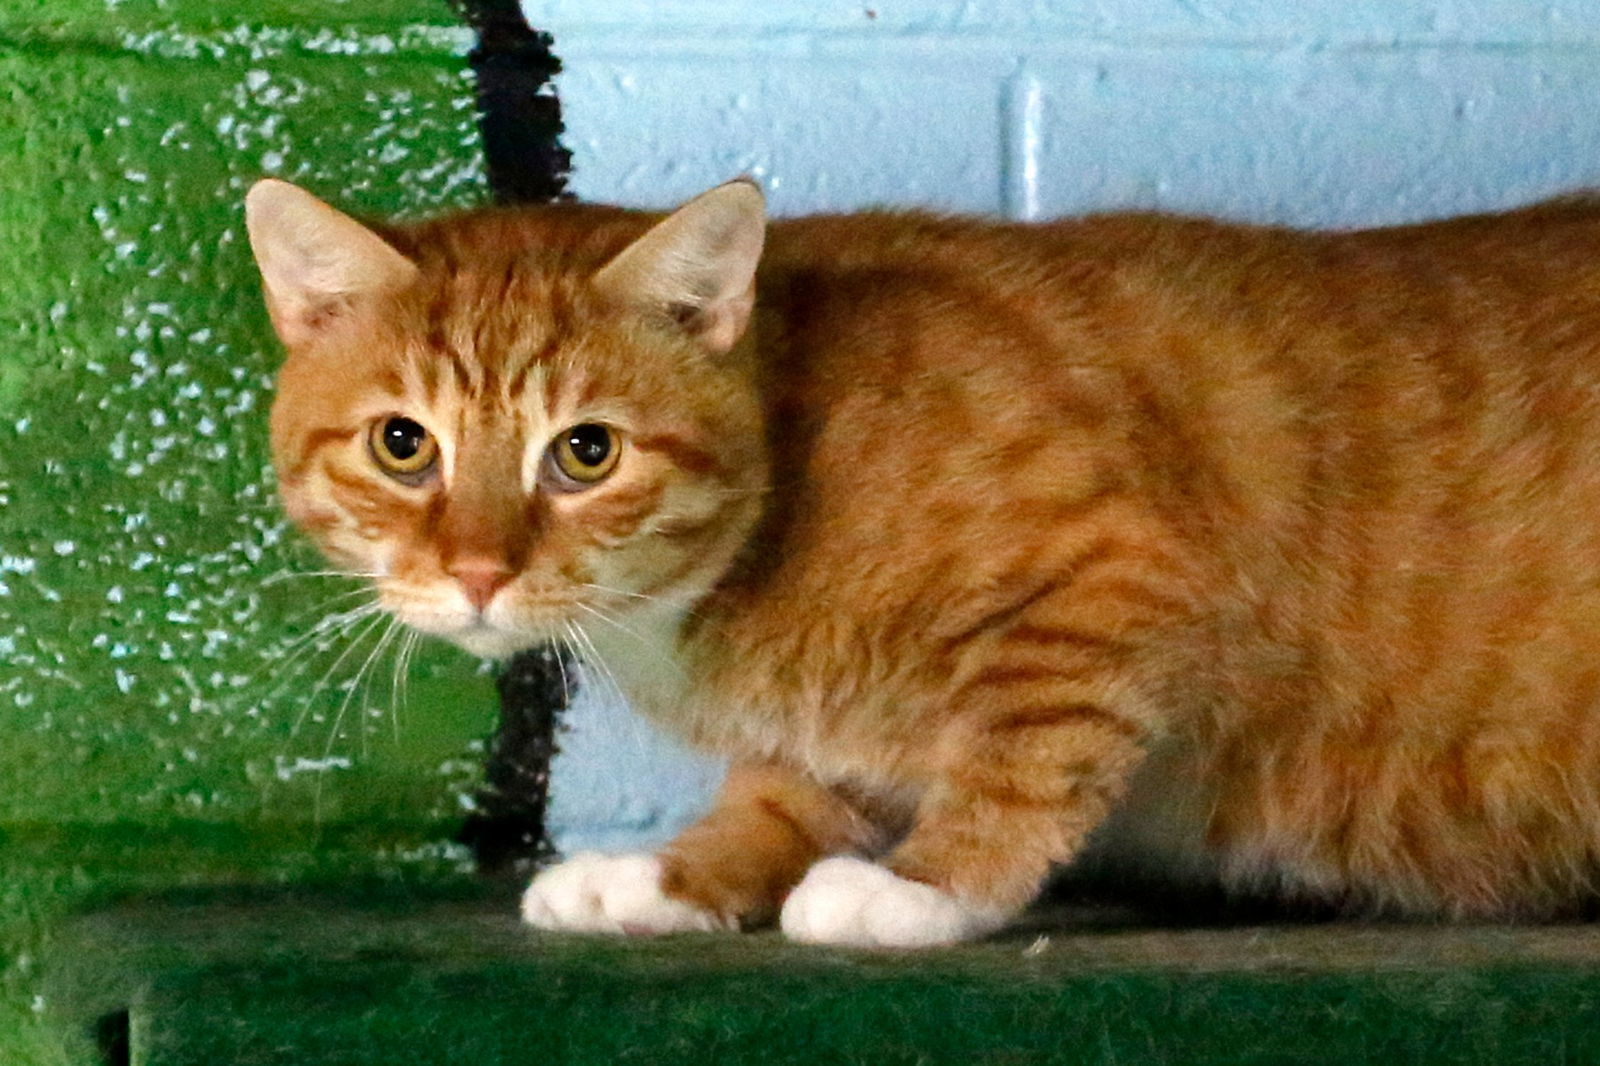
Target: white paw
592, 893
850, 901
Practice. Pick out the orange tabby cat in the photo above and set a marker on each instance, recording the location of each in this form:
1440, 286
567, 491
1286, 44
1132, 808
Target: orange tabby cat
1253, 556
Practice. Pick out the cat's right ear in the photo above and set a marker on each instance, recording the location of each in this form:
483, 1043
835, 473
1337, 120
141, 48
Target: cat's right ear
698, 264
315, 261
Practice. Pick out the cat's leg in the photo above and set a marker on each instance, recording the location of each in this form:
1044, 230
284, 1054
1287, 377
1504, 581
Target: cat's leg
729, 870
1015, 793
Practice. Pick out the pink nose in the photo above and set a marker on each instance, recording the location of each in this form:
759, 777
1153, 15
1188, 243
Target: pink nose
480, 578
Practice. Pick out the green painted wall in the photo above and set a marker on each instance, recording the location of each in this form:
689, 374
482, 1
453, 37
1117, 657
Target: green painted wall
148, 671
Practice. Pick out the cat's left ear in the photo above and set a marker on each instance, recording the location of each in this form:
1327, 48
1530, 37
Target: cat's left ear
697, 265
315, 261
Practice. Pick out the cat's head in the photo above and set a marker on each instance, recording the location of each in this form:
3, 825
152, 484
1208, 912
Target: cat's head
510, 420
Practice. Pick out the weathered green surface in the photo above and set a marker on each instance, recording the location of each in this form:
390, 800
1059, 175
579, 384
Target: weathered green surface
142, 650
442, 975
157, 721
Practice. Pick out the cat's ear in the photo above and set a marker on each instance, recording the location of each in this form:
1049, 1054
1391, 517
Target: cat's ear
315, 261
697, 265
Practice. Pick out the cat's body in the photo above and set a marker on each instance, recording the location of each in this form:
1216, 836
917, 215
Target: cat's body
1236, 553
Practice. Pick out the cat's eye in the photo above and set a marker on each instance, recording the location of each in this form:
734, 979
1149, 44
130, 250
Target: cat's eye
586, 453
402, 447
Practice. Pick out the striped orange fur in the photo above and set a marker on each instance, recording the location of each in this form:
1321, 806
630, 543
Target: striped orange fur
1241, 554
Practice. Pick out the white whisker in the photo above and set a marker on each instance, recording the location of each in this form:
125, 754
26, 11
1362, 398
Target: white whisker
356, 684
333, 733
300, 616
561, 668
592, 657
305, 648
676, 605
645, 645
288, 575
608, 619
364, 704
404, 672
310, 697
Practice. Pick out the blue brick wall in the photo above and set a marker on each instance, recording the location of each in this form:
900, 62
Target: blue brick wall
1319, 112
1313, 112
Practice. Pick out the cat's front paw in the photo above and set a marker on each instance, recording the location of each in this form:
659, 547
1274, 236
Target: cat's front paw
593, 893
849, 901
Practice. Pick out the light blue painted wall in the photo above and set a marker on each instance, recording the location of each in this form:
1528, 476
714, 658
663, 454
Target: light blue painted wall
1313, 112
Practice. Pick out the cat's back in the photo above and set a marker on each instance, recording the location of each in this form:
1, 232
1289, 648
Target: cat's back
1269, 361
1546, 255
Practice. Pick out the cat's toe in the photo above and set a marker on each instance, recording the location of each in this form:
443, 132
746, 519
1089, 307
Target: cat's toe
849, 901
593, 893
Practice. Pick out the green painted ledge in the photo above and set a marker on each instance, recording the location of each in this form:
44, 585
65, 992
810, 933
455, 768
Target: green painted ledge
396, 972
159, 725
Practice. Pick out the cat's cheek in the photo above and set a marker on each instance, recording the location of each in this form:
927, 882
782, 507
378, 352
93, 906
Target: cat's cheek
349, 554
347, 546
593, 893
855, 903
302, 506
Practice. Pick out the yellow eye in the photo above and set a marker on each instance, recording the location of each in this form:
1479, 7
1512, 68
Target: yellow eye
587, 452
402, 448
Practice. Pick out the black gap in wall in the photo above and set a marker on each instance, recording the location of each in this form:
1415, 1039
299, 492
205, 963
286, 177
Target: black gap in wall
520, 118
517, 107
113, 1038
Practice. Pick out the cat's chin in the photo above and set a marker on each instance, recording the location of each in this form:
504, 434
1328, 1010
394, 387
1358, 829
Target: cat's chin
491, 642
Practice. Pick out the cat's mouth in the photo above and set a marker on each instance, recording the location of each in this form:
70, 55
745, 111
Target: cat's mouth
476, 633
497, 630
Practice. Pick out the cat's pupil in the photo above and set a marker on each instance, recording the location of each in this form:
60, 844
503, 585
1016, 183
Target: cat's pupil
402, 438
590, 444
